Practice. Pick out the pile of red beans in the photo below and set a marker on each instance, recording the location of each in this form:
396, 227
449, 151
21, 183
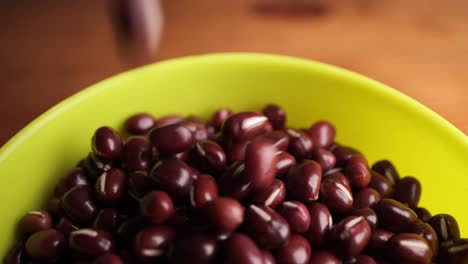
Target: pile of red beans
239, 188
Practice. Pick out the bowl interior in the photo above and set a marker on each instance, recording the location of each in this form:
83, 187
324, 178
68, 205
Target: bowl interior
368, 115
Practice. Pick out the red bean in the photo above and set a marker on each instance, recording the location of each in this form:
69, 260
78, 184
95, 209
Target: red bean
350, 236
300, 144
209, 157
320, 223
17, 254
336, 196
107, 143
395, 216
379, 239
204, 190
240, 248
408, 248
285, 162
195, 119
157, 207
322, 134
139, 124
46, 245
168, 120
279, 137
426, 231
368, 214
303, 181
35, 221
366, 197
54, 206
224, 215
78, 204
173, 176
343, 154
218, 118
297, 250
339, 177
358, 172
260, 164
324, 257
66, 226
139, 184
107, 219
325, 158
445, 226
454, 252
138, 154
381, 184
172, 139
194, 249
111, 186
296, 214
269, 229
244, 126
276, 115
152, 242
272, 196
95, 166
408, 191
423, 214
199, 130
91, 242
233, 182
235, 151
76, 177
386, 168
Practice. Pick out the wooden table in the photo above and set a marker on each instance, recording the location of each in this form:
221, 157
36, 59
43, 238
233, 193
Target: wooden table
51, 49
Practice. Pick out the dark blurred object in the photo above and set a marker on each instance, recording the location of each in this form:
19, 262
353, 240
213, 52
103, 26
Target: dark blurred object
138, 26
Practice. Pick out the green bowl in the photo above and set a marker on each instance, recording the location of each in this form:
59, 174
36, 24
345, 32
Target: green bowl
370, 116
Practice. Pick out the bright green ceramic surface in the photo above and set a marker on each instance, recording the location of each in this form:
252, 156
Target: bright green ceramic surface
368, 115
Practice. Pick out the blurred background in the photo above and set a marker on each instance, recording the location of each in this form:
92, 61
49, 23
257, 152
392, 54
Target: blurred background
50, 49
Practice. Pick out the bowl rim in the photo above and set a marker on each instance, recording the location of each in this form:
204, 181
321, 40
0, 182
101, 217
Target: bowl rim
392, 94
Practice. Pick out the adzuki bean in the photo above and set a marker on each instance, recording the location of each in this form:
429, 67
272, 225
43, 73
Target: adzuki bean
237, 188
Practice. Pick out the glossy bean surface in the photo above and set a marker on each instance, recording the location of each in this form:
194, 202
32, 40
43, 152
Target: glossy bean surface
269, 229
91, 242
240, 248
260, 163
296, 214
172, 139
297, 250
408, 191
173, 176
46, 245
408, 248
445, 226
140, 123
303, 181
272, 196
244, 126
395, 216
350, 236
321, 222
276, 115
322, 134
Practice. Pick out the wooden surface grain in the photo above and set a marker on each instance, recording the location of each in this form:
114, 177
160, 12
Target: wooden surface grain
51, 49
